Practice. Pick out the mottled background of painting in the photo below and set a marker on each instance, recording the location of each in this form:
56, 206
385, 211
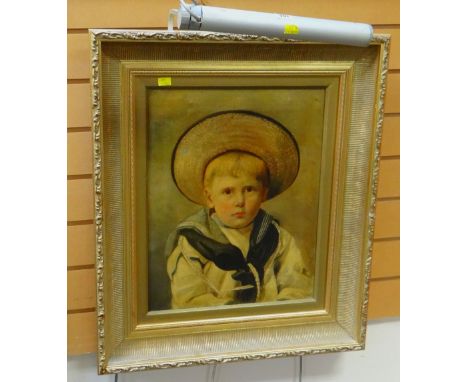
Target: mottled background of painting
172, 111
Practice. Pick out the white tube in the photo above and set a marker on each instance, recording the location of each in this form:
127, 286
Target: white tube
227, 20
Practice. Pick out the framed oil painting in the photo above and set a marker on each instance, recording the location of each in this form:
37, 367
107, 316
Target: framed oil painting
235, 186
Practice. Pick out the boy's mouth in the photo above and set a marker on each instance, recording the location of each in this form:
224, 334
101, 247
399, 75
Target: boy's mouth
239, 214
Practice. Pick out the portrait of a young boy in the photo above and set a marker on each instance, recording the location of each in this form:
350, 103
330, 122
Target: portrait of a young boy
232, 250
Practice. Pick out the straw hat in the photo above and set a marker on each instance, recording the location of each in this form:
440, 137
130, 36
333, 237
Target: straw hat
234, 131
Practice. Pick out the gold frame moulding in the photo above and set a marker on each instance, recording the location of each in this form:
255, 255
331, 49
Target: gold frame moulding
148, 88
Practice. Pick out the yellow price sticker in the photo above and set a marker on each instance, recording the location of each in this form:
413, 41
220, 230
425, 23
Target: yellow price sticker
164, 81
291, 29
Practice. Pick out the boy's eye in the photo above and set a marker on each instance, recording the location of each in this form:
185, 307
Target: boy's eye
249, 188
227, 191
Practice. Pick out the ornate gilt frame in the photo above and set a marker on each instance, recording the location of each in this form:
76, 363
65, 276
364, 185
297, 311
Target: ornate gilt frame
129, 339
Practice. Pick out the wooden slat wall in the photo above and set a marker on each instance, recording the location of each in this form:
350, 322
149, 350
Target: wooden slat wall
84, 14
149, 14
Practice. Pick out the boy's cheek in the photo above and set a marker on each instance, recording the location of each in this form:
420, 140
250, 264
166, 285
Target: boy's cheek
224, 207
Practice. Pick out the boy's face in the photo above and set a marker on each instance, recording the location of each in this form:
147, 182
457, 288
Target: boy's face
236, 200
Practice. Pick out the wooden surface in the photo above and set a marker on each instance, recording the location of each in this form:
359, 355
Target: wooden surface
389, 178
391, 136
150, 14
80, 153
384, 15
81, 245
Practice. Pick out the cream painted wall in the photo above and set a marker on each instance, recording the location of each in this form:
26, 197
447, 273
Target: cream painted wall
379, 362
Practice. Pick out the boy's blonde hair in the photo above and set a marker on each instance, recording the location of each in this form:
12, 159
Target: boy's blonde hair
235, 163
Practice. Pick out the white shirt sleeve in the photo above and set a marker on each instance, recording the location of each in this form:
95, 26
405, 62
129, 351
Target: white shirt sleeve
294, 279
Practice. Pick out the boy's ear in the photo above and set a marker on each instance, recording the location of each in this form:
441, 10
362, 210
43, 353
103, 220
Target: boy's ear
265, 193
209, 201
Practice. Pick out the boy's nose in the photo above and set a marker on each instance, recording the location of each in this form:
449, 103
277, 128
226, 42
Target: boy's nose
240, 199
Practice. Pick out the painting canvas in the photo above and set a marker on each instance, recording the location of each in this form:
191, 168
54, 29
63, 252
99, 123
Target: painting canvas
172, 113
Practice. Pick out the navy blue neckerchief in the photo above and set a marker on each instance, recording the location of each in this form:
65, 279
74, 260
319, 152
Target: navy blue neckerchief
264, 239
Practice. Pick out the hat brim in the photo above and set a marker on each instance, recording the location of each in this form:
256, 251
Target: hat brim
234, 131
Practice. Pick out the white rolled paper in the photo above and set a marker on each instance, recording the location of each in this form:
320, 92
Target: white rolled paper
214, 19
